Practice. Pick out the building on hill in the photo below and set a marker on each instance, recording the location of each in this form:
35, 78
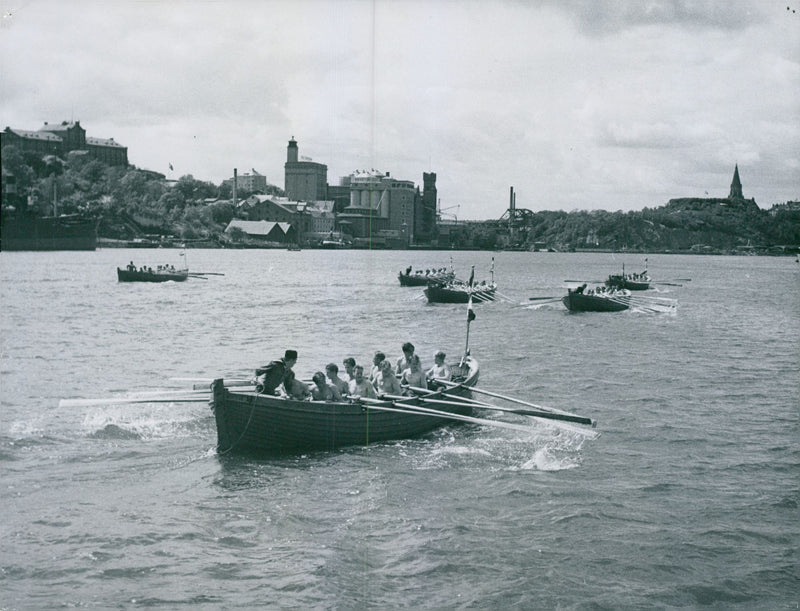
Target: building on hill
736, 185
63, 138
304, 180
735, 197
249, 182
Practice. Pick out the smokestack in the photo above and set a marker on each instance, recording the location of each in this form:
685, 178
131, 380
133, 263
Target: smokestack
235, 178
511, 198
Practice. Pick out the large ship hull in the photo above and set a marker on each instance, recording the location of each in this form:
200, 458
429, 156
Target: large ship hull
48, 233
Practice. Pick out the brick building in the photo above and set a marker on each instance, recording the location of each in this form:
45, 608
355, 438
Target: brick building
65, 137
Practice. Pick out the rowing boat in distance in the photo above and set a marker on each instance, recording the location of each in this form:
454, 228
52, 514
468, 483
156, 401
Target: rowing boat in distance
460, 292
253, 423
424, 278
631, 282
578, 301
150, 275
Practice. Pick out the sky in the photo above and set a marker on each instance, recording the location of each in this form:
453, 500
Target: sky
577, 104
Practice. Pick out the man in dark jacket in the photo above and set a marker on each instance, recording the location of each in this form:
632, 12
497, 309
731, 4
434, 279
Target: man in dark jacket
270, 376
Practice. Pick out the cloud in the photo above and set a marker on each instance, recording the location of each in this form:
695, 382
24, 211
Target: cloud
575, 103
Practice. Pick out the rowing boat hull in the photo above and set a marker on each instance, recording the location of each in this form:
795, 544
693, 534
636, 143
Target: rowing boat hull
125, 275
421, 279
443, 294
578, 302
620, 282
261, 424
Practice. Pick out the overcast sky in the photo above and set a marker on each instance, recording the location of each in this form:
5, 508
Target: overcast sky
579, 104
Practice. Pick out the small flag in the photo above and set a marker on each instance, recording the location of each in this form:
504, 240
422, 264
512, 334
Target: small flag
170, 167
472, 277
470, 311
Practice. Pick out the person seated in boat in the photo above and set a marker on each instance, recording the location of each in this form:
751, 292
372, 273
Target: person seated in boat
131, 267
413, 376
408, 271
580, 289
404, 361
361, 386
293, 388
376, 365
332, 372
349, 364
386, 381
323, 391
439, 371
269, 377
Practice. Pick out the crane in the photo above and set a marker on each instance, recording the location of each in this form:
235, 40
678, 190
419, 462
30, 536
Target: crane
440, 212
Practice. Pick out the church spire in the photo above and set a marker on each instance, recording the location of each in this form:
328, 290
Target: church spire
736, 185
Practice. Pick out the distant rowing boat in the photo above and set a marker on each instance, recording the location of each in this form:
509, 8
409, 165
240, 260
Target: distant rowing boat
577, 301
130, 275
460, 293
423, 279
631, 282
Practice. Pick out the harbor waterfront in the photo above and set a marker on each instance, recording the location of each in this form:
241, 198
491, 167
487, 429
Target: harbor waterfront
687, 498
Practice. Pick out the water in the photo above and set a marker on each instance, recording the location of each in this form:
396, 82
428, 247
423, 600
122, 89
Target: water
688, 498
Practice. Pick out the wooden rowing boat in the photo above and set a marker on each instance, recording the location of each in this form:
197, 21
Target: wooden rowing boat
629, 282
127, 275
420, 279
460, 293
262, 424
580, 302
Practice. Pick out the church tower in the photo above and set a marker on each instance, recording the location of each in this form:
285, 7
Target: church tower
736, 185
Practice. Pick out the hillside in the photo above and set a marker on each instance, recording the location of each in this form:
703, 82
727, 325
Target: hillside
131, 203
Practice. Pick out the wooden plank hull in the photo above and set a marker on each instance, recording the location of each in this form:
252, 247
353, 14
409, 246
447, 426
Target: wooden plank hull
125, 275
444, 294
263, 424
578, 302
422, 279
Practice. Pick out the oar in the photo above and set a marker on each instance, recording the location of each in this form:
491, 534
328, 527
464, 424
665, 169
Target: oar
205, 274
504, 297
379, 405
228, 384
120, 400
521, 412
514, 400
541, 298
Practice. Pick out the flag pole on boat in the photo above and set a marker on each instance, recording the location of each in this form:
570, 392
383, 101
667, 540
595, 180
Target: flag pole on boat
470, 315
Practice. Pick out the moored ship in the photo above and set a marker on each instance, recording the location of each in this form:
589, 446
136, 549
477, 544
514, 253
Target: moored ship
30, 232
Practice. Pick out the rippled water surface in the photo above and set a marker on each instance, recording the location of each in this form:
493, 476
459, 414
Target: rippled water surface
688, 498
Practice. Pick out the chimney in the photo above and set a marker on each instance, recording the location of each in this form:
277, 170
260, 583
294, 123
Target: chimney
235, 178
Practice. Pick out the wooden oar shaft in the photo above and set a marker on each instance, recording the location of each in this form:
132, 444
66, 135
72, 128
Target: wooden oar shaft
521, 412
377, 404
118, 401
521, 402
228, 384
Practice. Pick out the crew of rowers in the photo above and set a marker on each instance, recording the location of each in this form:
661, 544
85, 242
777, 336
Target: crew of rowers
442, 271
636, 277
600, 291
161, 269
605, 291
278, 378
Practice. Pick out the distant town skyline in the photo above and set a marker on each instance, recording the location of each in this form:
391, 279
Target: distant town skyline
579, 105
